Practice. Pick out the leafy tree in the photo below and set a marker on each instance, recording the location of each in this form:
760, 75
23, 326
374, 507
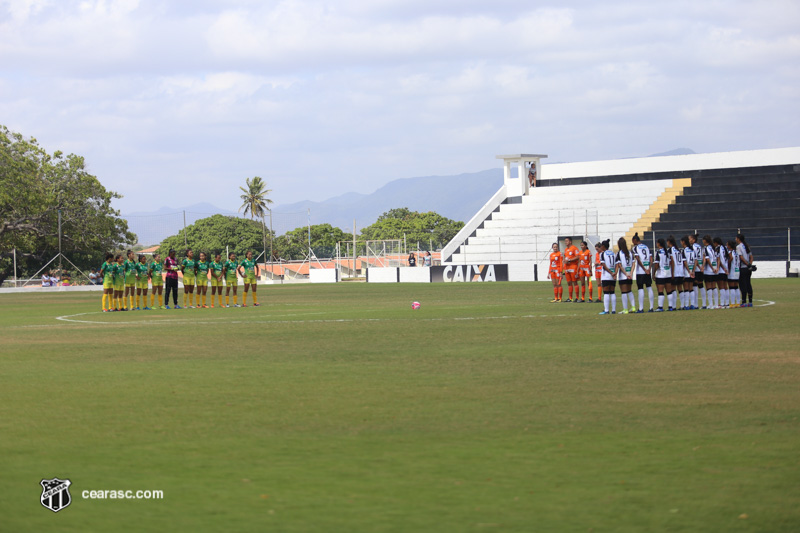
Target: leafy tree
415, 226
294, 244
34, 187
214, 233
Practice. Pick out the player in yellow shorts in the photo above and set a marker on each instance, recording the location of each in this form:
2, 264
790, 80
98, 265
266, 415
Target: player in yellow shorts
119, 283
155, 268
188, 267
107, 271
216, 278
202, 279
229, 270
141, 282
249, 272
130, 281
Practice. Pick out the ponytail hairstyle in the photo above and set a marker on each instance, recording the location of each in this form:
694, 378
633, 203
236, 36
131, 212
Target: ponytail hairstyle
741, 240
636, 238
731, 245
717, 241
662, 243
141, 257
623, 247
685, 241
606, 244
707, 239
671, 240
109, 256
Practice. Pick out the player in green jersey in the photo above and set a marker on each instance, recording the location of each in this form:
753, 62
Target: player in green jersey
216, 278
156, 280
188, 267
119, 282
141, 283
202, 279
130, 280
107, 271
249, 271
231, 281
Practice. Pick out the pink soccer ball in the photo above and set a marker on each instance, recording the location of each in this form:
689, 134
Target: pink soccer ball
415, 306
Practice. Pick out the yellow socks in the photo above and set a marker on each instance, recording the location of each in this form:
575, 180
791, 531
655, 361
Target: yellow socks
235, 299
255, 297
204, 300
220, 299
104, 302
227, 299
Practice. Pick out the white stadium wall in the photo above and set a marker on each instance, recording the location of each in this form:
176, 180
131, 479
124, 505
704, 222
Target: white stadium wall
519, 231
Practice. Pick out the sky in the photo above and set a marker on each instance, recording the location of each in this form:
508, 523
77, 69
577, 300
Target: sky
174, 103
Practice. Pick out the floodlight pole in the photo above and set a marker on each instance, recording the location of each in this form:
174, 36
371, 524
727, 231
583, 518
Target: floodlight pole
15, 267
60, 269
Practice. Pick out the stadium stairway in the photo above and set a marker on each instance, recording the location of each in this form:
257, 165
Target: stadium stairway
761, 203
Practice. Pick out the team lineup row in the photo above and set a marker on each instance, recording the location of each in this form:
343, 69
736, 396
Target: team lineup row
126, 279
714, 274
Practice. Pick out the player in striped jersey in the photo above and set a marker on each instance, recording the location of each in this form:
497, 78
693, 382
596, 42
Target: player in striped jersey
678, 273
608, 261
554, 273
624, 268
644, 277
710, 269
722, 279
699, 289
745, 262
733, 276
690, 262
663, 270
585, 271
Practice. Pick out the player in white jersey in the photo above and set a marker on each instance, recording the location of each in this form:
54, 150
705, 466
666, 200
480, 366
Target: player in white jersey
710, 269
722, 278
690, 262
608, 278
663, 270
746, 270
678, 273
699, 289
625, 263
641, 254
733, 276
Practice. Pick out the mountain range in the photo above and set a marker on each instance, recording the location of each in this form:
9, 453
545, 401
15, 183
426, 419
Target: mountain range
457, 197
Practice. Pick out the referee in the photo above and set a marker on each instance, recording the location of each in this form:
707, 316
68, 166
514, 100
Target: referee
171, 268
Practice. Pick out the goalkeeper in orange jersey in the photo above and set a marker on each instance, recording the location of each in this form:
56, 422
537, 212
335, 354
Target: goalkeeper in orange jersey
584, 271
571, 268
554, 273
598, 273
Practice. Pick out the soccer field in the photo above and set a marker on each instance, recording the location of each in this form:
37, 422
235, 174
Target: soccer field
338, 408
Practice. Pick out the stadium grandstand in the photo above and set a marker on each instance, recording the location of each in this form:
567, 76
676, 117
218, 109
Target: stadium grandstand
756, 193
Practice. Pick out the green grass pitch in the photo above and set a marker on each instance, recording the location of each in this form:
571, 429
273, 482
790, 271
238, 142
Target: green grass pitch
338, 408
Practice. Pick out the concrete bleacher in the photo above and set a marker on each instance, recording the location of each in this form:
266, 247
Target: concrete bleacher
521, 233
755, 192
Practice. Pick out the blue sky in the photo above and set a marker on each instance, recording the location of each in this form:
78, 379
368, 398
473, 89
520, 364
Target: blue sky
174, 103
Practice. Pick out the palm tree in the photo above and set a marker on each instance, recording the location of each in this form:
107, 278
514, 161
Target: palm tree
256, 203
254, 199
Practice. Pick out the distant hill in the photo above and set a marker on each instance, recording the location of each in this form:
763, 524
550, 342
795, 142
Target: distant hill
457, 197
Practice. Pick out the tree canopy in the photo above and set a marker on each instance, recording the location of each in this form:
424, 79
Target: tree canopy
213, 234
34, 187
294, 244
415, 226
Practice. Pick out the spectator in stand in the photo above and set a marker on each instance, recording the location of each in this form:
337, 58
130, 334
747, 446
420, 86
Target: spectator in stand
46, 279
412, 260
94, 277
532, 175
428, 260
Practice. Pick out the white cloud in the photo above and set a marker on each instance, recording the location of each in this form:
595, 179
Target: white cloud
323, 98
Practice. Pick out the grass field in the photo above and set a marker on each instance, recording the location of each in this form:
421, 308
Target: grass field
338, 408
